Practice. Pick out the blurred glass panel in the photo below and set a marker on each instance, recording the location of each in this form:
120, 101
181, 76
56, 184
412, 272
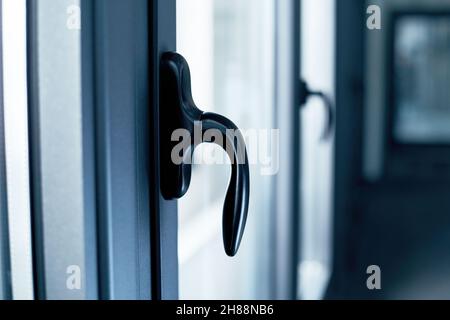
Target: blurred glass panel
317, 58
422, 79
229, 45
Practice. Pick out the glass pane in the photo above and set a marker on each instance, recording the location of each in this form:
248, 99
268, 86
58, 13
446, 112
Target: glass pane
316, 225
422, 79
229, 45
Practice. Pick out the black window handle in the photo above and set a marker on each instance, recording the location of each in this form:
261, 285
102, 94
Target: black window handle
178, 111
305, 93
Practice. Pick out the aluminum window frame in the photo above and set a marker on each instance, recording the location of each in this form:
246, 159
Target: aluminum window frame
114, 121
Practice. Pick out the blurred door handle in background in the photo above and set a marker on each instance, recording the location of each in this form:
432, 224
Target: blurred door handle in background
305, 93
179, 112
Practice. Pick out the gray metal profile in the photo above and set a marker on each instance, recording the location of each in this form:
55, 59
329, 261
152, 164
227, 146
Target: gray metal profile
63, 162
287, 193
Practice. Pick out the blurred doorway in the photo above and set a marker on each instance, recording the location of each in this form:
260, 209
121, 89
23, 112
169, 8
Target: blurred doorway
392, 170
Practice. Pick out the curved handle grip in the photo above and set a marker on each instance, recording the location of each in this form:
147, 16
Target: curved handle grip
329, 125
178, 112
236, 200
305, 93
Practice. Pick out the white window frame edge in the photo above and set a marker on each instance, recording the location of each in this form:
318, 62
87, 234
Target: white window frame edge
15, 103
